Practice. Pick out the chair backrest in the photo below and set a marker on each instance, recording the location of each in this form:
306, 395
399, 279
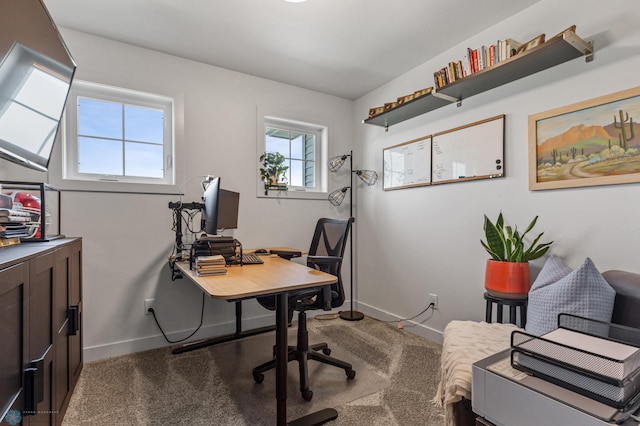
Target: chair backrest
330, 239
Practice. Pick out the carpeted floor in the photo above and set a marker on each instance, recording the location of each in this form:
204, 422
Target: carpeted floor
397, 376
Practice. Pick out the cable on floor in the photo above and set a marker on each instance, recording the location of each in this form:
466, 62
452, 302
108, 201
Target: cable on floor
399, 321
180, 340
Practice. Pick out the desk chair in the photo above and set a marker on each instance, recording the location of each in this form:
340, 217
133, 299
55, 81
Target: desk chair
325, 254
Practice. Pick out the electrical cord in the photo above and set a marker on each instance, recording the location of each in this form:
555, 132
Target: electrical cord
180, 340
431, 305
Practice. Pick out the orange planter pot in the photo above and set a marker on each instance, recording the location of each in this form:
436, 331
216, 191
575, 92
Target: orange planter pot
507, 279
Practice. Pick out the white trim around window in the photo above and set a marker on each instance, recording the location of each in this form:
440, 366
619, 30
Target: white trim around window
99, 92
316, 126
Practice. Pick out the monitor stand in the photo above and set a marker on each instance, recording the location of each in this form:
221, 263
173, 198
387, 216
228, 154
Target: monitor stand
216, 238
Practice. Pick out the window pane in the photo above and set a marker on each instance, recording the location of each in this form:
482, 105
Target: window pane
297, 145
143, 124
297, 173
276, 144
99, 118
143, 160
99, 156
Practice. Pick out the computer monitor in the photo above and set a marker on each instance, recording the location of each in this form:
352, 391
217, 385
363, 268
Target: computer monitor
210, 204
228, 204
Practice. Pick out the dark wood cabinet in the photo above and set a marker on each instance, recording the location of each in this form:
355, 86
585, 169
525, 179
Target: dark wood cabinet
40, 316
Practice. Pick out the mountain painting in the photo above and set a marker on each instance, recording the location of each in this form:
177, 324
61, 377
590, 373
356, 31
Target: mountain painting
591, 143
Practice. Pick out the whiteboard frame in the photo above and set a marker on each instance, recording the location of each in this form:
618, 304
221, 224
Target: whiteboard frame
480, 126
387, 166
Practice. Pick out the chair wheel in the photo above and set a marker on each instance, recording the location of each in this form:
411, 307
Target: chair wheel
307, 394
258, 378
326, 351
351, 374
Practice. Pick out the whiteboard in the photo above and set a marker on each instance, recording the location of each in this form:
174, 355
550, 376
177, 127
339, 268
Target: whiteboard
407, 164
474, 151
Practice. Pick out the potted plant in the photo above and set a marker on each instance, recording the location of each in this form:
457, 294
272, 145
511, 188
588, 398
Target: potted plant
507, 272
273, 171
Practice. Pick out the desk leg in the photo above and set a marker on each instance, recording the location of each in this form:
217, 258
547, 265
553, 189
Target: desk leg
281, 356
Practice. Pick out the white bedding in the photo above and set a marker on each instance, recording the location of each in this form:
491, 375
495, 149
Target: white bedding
466, 342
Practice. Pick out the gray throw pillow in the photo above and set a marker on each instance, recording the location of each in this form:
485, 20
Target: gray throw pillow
558, 289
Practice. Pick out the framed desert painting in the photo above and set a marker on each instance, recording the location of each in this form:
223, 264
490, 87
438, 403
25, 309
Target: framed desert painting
585, 144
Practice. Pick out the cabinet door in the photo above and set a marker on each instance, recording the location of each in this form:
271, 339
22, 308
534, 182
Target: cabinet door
39, 405
67, 320
14, 318
62, 385
75, 311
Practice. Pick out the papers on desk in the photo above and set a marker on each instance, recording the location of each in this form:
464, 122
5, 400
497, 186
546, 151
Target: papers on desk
210, 265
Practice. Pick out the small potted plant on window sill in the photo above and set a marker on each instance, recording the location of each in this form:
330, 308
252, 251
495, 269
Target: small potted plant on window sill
507, 272
273, 171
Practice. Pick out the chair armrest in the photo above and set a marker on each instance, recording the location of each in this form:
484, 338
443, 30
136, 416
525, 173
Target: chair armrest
324, 260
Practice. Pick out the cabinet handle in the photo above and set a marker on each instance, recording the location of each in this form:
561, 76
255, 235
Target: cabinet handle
73, 312
34, 385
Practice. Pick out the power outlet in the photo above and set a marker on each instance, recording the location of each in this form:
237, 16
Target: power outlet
148, 304
433, 298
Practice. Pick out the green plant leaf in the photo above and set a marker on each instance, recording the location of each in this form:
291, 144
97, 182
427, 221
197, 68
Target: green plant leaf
505, 243
494, 237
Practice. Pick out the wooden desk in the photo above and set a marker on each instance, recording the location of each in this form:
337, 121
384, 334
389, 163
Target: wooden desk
275, 277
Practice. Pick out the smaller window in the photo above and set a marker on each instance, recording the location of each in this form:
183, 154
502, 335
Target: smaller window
114, 134
301, 145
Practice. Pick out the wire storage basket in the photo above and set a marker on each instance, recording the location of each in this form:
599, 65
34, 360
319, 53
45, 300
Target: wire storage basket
581, 356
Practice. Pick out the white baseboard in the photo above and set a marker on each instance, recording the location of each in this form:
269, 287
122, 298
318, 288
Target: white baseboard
94, 353
411, 326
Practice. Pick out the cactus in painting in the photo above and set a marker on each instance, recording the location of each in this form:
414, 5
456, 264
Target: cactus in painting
623, 137
554, 154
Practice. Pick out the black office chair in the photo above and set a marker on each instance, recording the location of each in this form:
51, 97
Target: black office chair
325, 254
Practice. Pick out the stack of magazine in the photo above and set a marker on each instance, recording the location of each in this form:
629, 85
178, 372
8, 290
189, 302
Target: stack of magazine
13, 223
210, 265
596, 359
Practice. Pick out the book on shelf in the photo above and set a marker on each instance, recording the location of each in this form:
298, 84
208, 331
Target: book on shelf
476, 60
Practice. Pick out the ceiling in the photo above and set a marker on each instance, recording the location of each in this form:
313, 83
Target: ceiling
344, 48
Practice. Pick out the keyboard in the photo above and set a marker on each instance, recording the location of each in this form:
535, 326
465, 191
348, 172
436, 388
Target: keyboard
251, 259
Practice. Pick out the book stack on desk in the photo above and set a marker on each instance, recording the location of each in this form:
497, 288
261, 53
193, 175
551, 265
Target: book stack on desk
210, 265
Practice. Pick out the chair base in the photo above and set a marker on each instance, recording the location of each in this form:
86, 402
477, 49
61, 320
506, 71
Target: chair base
302, 352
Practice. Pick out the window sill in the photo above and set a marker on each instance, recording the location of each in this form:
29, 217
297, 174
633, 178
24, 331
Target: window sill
292, 194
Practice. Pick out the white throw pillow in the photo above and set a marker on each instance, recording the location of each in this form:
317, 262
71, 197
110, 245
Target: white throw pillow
558, 289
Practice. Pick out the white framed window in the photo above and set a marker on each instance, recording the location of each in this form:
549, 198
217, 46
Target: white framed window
118, 135
304, 147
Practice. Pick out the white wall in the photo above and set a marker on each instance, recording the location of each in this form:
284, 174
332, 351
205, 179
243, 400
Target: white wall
127, 237
417, 241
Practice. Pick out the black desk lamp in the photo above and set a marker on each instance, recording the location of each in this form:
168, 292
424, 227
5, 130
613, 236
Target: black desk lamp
336, 198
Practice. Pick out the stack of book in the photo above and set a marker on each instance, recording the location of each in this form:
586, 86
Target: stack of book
476, 60
14, 223
210, 265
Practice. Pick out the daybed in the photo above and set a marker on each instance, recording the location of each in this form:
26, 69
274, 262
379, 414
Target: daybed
466, 342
